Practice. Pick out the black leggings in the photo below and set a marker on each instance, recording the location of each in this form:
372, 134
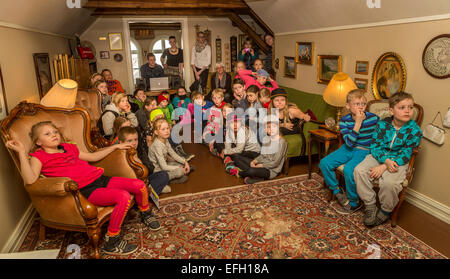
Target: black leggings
243, 162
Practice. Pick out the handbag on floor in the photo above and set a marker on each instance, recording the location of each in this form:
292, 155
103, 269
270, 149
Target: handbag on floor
434, 133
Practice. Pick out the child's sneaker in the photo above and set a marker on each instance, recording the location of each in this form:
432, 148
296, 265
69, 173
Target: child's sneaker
348, 209
370, 214
380, 218
150, 221
115, 245
252, 180
179, 180
227, 160
167, 189
342, 199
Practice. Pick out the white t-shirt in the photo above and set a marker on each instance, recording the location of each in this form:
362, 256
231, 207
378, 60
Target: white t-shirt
201, 59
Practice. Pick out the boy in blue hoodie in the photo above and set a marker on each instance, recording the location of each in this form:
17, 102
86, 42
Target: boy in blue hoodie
395, 138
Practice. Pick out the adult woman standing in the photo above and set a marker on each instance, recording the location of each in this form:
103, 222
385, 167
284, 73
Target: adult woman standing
172, 60
201, 60
119, 106
221, 79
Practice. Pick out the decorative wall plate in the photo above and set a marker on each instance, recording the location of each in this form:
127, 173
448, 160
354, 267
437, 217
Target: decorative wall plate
436, 57
118, 57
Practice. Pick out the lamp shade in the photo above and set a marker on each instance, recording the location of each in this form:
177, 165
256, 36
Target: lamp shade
336, 92
62, 95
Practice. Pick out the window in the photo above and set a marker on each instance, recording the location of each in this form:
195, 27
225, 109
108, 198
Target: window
135, 61
158, 48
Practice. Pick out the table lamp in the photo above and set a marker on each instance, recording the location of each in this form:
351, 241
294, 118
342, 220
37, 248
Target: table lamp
62, 95
336, 93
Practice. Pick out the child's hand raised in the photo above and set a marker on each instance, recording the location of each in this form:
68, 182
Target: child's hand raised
15, 145
360, 116
307, 117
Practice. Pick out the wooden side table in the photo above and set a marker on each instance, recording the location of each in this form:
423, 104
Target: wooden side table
320, 136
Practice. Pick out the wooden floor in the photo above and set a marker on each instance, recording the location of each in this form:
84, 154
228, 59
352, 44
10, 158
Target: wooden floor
210, 174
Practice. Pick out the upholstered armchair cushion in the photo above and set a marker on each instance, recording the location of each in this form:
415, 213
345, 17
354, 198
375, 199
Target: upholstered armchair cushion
90, 100
294, 143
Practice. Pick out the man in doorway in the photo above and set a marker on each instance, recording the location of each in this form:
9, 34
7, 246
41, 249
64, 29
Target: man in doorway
151, 70
201, 60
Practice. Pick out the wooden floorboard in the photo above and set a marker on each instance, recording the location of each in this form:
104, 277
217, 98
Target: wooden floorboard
210, 174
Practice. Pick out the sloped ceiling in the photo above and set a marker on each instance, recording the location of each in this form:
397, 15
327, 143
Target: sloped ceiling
46, 15
298, 15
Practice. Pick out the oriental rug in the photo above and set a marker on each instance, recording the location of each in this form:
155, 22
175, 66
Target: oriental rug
284, 219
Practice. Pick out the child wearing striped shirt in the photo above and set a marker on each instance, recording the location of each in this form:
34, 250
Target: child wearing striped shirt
357, 130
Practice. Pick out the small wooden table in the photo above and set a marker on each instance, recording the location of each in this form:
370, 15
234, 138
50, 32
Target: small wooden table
324, 136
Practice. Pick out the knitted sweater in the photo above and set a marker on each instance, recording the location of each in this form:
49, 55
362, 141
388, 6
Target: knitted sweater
158, 153
393, 144
273, 161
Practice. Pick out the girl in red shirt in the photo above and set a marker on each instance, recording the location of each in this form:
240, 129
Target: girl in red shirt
52, 157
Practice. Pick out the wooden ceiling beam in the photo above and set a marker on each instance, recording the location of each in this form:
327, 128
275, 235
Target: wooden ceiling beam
161, 12
244, 27
165, 4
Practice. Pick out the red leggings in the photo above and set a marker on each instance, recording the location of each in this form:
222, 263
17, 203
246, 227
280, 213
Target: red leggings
118, 193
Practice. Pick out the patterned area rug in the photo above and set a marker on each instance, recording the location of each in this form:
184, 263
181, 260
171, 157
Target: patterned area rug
285, 218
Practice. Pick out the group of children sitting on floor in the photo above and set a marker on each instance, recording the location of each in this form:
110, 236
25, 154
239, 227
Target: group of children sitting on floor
373, 149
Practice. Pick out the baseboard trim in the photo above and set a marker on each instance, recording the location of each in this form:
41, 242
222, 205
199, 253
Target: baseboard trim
20, 232
430, 206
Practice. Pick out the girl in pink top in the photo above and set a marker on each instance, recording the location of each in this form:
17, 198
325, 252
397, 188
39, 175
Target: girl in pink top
54, 158
261, 78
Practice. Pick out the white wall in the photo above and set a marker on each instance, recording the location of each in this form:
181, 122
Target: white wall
17, 64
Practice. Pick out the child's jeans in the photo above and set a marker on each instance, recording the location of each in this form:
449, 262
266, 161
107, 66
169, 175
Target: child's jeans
349, 156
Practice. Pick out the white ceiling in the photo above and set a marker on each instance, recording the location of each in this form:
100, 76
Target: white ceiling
46, 15
298, 15
280, 15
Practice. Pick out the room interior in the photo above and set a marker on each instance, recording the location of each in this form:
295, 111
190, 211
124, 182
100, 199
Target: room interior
358, 32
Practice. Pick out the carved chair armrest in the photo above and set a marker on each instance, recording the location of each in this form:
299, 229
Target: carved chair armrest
49, 186
61, 194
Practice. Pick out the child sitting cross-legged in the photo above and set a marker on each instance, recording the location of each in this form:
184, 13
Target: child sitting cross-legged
357, 129
160, 150
52, 157
394, 140
270, 162
240, 141
157, 180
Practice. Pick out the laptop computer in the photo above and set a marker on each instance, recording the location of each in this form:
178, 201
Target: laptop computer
161, 83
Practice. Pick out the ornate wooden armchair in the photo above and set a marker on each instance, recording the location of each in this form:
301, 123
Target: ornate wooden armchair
91, 101
381, 108
57, 200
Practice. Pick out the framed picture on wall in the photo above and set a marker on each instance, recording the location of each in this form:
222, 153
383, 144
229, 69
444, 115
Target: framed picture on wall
43, 73
304, 53
115, 41
3, 106
104, 54
388, 75
327, 66
361, 83
290, 67
362, 67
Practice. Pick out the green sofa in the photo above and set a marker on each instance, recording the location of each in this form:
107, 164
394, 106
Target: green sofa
315, 103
